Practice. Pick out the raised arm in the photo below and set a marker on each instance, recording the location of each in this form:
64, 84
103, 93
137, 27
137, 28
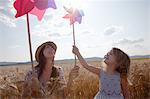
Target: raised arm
84, 63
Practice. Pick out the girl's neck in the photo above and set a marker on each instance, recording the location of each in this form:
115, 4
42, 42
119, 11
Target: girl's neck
109, 70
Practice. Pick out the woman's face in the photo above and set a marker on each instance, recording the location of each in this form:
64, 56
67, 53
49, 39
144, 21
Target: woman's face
48, 52
110, 58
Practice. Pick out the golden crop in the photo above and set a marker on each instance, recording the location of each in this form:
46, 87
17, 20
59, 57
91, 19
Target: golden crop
85, 85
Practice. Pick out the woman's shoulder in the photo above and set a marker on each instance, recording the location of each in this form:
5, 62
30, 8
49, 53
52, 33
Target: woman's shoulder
60, 70
31, 73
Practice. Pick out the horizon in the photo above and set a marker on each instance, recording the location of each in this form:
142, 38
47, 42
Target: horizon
69, 59
107, 23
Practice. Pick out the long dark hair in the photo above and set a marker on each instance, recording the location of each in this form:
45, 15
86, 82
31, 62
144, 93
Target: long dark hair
42, 63
123, 61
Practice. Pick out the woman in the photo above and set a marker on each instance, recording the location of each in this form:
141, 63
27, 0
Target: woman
47, 80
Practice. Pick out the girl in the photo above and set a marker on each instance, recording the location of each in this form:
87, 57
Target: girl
47, 80
113, 77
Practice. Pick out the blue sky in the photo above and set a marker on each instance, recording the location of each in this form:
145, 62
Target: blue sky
106, 24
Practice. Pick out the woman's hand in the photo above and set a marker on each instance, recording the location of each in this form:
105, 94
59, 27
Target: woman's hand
75, 50
74, 73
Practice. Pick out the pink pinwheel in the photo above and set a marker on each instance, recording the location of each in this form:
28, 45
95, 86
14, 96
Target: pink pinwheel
35, 7
74, 15
23, 7
41, 6
44, 4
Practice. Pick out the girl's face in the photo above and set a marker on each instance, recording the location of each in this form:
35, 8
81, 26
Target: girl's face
110, 59
48, 52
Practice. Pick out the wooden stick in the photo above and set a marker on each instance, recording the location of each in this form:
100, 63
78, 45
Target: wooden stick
29, 38
74, 41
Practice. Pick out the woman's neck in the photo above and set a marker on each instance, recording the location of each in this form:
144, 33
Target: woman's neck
48, 67
47, 71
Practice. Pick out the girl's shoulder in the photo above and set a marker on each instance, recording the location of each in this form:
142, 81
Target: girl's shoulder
104, 73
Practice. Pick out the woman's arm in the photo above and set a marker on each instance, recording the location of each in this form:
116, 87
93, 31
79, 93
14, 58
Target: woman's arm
124, 85
84, 63
31, 87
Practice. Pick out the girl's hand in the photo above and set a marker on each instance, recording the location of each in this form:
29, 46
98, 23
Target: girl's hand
74, 73
75, 50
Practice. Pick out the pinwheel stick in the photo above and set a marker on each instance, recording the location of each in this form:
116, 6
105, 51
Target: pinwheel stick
29, 38
74, 41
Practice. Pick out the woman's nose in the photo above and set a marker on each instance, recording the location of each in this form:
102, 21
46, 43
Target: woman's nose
108, 53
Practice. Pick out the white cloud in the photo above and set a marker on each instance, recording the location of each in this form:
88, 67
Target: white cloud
46, 30
14, 46
113, 29
7, 20
128, 42
7, 13
138, 46
52, 27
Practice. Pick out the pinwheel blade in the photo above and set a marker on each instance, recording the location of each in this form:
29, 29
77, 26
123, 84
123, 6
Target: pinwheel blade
23, 7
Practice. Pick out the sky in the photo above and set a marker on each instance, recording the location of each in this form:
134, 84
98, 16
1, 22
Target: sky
107, 23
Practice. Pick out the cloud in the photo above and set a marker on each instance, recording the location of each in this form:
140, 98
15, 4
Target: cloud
7, 20
7, 13
128, 42
54, 34
86, 32
51, 28
113, 29
138, 46
14, 46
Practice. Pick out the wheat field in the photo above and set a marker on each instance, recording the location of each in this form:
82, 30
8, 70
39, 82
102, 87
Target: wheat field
85, 85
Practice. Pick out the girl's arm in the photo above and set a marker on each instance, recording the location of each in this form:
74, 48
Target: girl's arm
69, 85
124, 85
84, 63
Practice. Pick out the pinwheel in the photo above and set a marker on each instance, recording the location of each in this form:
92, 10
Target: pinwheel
74, 15
35, 7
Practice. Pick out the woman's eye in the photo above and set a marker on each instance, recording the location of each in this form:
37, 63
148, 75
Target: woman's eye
47, 47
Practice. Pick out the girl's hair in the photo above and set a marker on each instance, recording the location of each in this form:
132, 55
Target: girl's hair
123, 61
42, 63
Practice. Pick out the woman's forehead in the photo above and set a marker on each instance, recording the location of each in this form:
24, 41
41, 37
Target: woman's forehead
48, 45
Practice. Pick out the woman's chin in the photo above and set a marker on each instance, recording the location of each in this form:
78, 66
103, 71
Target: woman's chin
50, 57
105, 61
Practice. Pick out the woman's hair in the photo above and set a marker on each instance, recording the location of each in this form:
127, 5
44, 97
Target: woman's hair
42, 63
123, 61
